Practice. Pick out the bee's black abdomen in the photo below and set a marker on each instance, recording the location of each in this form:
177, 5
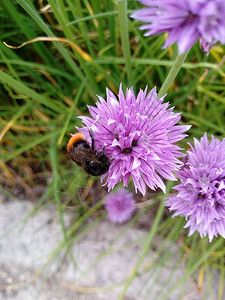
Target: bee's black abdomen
98, 168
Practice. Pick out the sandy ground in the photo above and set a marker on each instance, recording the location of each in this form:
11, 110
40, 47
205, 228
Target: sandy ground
28, 270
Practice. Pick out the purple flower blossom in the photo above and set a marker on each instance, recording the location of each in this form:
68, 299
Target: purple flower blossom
201, 192
185, 21
138, 136
120, 206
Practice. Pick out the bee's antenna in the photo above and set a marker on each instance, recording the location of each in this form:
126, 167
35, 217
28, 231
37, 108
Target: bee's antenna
92, 139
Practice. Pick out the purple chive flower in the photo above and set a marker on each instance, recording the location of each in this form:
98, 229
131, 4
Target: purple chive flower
138, 136
120, 206
185, 21
201, 192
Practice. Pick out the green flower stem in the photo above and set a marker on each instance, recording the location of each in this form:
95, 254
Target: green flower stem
145, 249
122, 8
172, 73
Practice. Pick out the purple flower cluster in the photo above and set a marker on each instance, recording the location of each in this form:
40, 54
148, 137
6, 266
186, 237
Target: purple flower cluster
138, 136
185, 21
201, 192
120, 206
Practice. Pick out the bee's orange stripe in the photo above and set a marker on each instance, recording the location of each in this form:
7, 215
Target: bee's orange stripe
73, 139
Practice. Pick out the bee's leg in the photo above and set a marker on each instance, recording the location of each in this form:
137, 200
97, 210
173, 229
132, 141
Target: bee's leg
92, 139
101, 153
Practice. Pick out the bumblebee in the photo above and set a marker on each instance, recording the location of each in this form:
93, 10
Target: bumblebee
92, 161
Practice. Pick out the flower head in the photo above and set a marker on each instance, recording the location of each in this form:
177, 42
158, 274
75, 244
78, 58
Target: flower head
201, 192
185, 21
138, 136
120, 206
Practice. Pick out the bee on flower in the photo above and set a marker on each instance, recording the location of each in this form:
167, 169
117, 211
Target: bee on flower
138, 135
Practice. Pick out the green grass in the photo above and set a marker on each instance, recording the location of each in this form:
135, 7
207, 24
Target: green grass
45, 85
